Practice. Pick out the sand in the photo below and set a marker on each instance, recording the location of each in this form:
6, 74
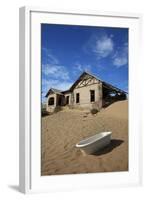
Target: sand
62, 130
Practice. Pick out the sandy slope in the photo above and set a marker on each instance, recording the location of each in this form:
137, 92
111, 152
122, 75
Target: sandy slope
61, 131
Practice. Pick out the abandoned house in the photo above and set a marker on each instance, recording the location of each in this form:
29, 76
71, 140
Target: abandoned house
87, 92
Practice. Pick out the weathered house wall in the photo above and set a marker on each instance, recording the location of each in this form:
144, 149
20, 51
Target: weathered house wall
84, 93
68, 94
83, 86
50, 108
84, 96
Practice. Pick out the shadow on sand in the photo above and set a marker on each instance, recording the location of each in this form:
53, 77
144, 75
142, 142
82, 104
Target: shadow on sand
113, 144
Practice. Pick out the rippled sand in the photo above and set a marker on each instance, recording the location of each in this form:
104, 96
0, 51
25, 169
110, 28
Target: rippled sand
62, 130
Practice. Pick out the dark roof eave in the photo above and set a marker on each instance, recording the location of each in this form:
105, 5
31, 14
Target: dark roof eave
47, 94
66, 91
114, 88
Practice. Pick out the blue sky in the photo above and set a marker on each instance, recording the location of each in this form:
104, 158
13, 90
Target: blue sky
68, 50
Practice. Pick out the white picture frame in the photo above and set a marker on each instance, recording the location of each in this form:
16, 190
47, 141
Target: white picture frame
29, 160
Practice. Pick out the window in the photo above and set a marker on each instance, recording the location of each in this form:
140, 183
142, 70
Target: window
77, 98
51, 101
92, 95
67, 100
112, 94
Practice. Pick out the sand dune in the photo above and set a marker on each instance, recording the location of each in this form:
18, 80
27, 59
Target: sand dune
62, 130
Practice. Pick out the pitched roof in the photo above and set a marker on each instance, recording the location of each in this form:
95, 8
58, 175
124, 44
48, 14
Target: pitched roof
80, 78
105, 84
54, 90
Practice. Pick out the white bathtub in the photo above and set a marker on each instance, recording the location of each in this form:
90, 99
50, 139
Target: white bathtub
94, 143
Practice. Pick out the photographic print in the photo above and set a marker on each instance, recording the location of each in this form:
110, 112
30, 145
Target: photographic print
84, 99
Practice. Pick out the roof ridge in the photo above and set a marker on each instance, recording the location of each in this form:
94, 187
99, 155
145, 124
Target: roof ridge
89, 73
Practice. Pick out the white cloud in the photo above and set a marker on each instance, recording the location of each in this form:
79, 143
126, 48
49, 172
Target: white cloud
49, 57
80, 67
120, 61
65, 85
60, 85
55, 75
52, 67
104, 46
55, 71
46, 83
120, 58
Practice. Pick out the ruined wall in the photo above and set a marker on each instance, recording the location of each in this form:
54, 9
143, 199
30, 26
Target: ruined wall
50, 108
85, 96
68, 94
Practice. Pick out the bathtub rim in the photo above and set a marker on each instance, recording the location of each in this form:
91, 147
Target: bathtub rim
78, 145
